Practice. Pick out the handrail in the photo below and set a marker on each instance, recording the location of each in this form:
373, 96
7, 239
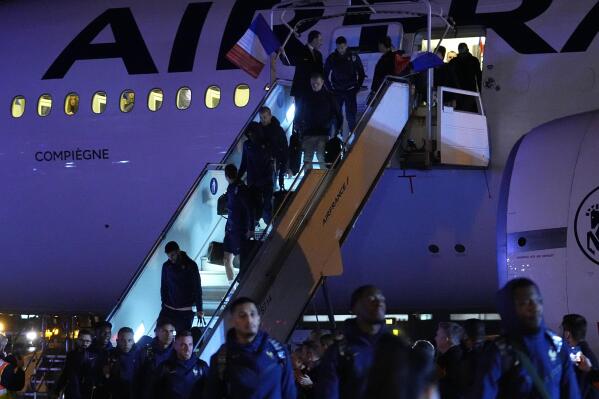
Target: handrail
320, 189
303, 215
443, 89
207, 333
293, 30
185, 200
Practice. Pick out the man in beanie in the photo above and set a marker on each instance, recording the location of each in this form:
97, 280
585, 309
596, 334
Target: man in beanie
180, 289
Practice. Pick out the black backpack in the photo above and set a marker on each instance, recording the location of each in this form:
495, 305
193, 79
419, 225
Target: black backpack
221, 205
333, 149
295, 153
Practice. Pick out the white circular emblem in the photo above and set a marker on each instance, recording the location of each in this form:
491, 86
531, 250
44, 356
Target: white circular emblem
586, 226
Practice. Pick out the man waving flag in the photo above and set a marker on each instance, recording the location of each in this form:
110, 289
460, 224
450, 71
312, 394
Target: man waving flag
254, 48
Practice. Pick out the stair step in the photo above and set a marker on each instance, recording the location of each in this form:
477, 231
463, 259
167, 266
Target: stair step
36, 381
212, 267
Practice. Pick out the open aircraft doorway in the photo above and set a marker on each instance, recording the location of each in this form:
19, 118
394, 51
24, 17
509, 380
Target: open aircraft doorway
476, 46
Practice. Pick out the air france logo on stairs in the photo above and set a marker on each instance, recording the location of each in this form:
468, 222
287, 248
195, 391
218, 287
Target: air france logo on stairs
586, 226
336, 200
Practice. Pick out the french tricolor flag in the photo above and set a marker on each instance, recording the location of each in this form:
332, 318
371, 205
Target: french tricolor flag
252, 51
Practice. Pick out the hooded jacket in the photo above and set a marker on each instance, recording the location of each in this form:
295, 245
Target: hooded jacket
181, 285
258, 370
345, 365
501, 375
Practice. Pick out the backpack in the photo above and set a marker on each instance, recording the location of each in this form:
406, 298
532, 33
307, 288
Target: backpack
221, 205
295, 153
333, 149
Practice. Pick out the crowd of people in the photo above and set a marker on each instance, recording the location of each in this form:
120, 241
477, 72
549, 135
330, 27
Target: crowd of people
361, 360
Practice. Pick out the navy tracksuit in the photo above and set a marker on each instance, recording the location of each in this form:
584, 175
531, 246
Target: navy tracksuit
240, 222
181, 379
259, 370
257, 161
275, 136
346, 77
345, 365
122, 368
501, 374
181, 287
150, 358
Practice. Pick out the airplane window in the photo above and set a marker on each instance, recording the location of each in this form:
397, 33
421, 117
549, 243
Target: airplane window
183, 98
127, 100
18, 106
242, 95
212, 96
99, 102
155, 99
44, 105
71, 104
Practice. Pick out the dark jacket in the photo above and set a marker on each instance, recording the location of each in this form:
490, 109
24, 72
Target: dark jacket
150, 358
78, 375
444, 75
277, 140
181, 379
449, 366
587, 391
256, 160
239, 209
384, 66
122, 367
259, 370
467, 71
98, 357
501, 374
471, 361
344, 72
318, 112
345, 365
306, 63
181, 285
13, 378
